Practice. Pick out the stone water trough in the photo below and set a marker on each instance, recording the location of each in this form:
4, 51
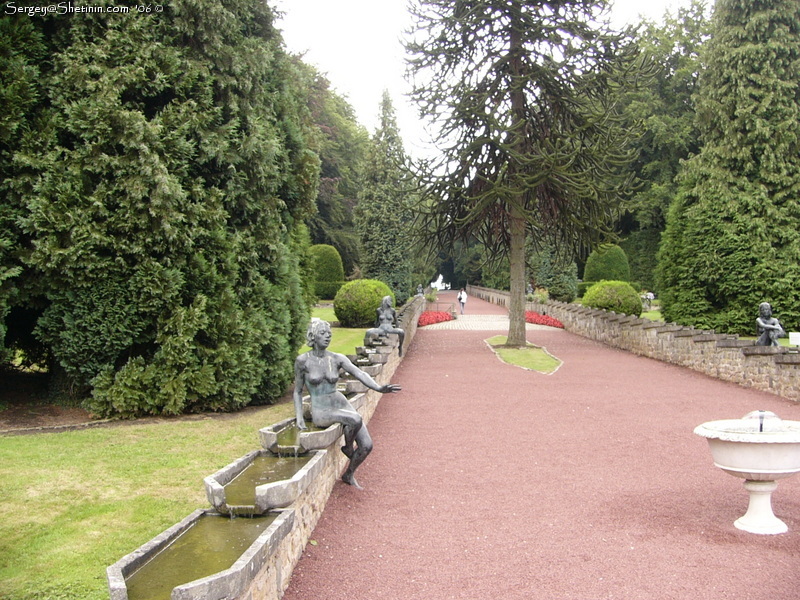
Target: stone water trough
266, 481
175, 564
760, 448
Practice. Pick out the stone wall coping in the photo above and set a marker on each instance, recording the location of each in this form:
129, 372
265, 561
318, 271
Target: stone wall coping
790, 358
729, 358
670, 328
763, 350
734, 342
710, 337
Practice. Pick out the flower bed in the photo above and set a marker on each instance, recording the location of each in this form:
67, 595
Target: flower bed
537, 319
431, 317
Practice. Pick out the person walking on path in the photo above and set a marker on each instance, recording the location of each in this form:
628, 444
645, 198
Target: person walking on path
462, 299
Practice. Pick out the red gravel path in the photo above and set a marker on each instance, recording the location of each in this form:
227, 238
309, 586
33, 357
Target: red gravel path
488, 481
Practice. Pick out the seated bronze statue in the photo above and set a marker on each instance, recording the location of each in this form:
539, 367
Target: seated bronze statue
769, 328
385, 323
318, 371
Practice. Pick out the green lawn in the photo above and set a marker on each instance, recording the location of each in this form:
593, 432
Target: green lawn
74, 503
324, 312
653, 315
344, 340
533, 358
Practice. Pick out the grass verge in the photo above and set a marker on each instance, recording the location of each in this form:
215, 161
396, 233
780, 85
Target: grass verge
532, 358
76, 502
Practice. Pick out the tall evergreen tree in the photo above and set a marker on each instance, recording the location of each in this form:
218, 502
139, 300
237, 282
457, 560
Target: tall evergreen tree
665, 108
160, 201
383, 211
343, 144
525, 95
733, 234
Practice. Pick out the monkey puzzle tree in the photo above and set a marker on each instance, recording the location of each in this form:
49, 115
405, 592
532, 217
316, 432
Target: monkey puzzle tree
525, 96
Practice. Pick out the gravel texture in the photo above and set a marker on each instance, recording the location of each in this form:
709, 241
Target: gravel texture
489, 481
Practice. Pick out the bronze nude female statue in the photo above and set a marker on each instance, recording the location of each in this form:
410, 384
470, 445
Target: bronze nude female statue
318, 371
385, 323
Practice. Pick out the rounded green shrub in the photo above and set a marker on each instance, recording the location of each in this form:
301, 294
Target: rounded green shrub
356, 302
609, 262
328, 270
618, 296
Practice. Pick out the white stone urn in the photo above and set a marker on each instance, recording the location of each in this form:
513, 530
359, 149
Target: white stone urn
760, 448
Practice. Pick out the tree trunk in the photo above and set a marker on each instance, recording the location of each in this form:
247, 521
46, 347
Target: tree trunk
516, 219
516, 259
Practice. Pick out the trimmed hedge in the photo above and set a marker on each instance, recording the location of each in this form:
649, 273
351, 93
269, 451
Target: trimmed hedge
328, 270
356, 303
618, 296
608, 262
326, 290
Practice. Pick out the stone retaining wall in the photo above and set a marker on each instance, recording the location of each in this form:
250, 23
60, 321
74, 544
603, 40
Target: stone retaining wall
775, 370
273, 578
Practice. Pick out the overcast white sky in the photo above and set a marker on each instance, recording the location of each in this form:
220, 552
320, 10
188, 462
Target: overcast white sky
356, 43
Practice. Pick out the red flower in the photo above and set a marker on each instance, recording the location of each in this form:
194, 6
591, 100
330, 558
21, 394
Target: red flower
537, 319
430, 317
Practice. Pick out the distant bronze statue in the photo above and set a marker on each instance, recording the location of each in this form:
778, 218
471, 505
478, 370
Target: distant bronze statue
769, 328
318, 371
385, 323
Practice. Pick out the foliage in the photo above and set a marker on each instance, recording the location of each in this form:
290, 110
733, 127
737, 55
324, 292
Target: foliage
641, 248
342, 148
537, 319
495, 274
357, 301
538, 295
665, 110
618, 296
328, 270
608, 262
733, 233
556, 273
154, 196
383, 212
431, 317
531, 142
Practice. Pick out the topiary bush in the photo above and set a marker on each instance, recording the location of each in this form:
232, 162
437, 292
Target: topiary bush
618, 296
328, 270
609, 262
356, 302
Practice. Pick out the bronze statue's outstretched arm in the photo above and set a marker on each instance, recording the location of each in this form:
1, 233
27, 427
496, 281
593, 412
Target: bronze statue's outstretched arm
349, 367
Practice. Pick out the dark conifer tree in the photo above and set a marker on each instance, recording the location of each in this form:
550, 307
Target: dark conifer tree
733, 234
383, 214
160, 200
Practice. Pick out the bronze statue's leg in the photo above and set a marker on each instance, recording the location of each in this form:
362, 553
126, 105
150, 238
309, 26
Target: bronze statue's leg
350, 435
364, 442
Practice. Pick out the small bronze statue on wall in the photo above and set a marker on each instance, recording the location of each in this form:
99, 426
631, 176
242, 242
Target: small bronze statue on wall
769, 328
385, 323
